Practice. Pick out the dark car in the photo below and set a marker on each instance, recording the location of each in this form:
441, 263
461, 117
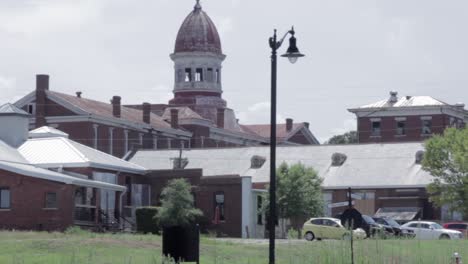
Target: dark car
390, 225
371, 227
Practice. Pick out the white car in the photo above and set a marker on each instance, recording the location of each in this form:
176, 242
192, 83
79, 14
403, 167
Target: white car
429, 230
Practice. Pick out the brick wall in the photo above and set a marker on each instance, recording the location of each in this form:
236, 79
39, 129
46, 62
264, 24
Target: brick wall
28, 201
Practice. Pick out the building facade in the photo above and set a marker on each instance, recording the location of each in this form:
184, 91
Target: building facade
406, 119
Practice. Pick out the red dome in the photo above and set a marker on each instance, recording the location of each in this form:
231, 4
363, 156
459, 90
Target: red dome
198, 33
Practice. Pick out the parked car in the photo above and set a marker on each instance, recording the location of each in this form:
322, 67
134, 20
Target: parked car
371, 227
328, 228
390, 225
430, 230
459, 226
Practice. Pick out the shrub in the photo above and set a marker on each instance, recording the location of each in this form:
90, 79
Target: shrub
146, 220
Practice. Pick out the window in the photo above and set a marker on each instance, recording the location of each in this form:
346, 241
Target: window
375, 128
31, 108
259, 210
217, 76
199, 75
209, 74
5, 198
219, 210
188, 75
51, 200
317, 222
426, 127
401, 128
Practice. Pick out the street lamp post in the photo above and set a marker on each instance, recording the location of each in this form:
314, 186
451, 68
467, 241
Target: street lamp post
292, 54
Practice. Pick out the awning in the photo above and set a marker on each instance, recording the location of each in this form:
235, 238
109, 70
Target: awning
398, 213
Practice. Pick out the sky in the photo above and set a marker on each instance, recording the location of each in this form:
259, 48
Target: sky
356, 52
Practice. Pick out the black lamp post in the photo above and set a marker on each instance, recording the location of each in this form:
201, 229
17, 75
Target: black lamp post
292, 54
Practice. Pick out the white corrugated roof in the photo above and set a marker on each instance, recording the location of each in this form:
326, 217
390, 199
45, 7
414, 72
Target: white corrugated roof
367, 165
9, 109
63, 152
407, 101
11, 160
46, 131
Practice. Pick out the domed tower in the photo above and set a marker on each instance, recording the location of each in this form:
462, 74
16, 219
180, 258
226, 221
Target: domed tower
198, 61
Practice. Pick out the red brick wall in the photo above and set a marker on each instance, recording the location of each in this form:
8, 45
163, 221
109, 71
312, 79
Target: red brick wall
389, 126
28, 200
205, 189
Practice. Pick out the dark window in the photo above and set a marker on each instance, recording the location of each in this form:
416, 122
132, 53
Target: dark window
426, 127
457, 226
375, 128
401, 128
317, 221
188, 75
219, 206
31, 109
51, 200
259, 210
209, 74
329, 222
199, 75
5, 198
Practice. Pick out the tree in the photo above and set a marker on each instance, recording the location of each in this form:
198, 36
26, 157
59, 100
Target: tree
299, 194
177, 205
350, 137
446, 158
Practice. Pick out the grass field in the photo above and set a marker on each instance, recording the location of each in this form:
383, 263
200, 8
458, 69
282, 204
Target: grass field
87, 248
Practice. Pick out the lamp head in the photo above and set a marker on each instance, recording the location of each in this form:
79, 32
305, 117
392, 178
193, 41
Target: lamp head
293, 52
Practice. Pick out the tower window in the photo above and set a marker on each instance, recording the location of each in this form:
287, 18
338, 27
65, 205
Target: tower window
217, 76
209, 74
188, 75
199, 75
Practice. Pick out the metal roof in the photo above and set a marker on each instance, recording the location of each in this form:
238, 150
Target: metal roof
47, 131
407, 101
366, 165
11, 160
56, 152
9, 109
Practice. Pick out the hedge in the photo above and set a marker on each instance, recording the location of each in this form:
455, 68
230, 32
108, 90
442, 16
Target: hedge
146, 220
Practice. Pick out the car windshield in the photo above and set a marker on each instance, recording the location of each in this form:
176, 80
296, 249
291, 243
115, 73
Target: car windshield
368, 219
392, 222
437, 226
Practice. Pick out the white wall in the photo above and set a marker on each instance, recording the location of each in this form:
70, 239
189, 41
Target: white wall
247, 219
14, 129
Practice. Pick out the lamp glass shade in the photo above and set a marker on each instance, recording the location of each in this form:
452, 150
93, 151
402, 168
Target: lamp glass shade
293, 52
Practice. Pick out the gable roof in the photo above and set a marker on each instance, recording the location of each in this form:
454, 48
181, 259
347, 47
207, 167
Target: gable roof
282, 135
47, 131
54, 152
366, 165
9, 109
11, 160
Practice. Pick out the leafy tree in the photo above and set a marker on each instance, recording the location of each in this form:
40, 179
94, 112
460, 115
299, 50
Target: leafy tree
299, 194
446, 158
177, 205
350, 137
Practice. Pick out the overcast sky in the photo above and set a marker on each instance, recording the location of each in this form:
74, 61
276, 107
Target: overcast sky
357, 51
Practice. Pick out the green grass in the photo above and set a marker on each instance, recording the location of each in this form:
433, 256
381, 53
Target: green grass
84, 248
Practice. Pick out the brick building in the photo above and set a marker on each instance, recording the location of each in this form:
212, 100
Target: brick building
408, 118
388, 177
32, 197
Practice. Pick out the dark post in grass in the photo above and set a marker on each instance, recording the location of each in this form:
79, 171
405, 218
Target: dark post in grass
292, 54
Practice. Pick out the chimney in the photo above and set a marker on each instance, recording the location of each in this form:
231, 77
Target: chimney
42, 85
306, 124
78, 94
220, 118
146, 113
289, 124
174, 118
116, 109
393, 97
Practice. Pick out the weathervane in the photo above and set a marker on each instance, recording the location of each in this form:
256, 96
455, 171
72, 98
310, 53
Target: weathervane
197, 5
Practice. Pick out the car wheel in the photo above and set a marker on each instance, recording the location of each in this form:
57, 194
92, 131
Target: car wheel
444, 236
309, 236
